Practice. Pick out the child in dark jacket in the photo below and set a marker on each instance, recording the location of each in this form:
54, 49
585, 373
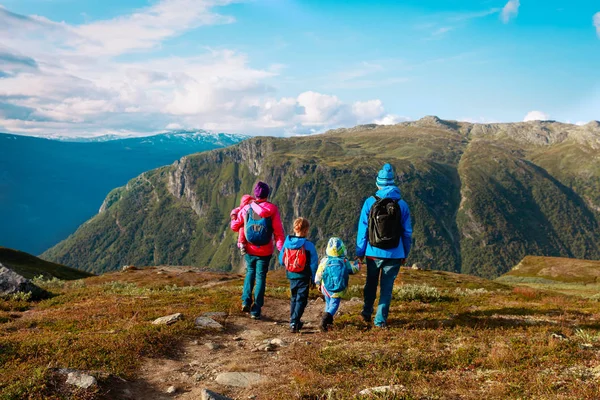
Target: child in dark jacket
300, 259
332, 276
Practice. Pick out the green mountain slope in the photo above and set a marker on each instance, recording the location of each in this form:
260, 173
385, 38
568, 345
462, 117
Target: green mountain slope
482, 196
30, 267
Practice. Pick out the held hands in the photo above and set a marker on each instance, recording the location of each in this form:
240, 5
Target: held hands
361, 262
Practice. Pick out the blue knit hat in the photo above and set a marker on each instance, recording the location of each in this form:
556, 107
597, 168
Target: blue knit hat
385, 176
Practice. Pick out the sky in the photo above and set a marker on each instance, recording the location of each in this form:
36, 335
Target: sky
288, 67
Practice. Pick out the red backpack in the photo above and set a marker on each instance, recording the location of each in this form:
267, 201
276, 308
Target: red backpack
294, 259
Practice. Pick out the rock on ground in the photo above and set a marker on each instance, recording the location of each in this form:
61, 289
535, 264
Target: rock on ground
239, 379
381, 390
212, 345
210, 395
207, 323
171, 389
80, 379
168, 320
277, 342
12, 283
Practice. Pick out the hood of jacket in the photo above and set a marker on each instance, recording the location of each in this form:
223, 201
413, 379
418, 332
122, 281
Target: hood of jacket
389, 192
246, 199
295, 242
264, 209
336, 248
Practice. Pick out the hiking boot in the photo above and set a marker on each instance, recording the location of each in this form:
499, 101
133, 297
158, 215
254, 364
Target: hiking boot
294, 328
326, 321
382, 326
366, 318
255, 316
245, 308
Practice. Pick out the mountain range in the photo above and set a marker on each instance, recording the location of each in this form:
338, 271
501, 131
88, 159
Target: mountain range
50, 187
482, 196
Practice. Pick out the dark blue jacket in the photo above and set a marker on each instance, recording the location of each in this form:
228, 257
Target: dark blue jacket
362, 238
312, 259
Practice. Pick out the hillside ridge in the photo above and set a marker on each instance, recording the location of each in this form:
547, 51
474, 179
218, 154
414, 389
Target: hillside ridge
481, 202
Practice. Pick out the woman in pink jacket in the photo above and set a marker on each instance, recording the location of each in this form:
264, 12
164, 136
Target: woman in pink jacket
263, 231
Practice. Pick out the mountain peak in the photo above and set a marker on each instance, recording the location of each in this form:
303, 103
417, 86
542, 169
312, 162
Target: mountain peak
432, 121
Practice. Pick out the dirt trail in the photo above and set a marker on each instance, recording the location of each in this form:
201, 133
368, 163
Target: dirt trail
197, 365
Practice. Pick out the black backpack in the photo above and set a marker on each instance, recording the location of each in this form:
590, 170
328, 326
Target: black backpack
385, 224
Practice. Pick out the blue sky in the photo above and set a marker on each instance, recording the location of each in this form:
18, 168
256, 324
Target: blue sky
79, 67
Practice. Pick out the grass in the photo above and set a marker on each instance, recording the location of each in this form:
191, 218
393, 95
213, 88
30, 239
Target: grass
450, 337
101, 325
565, 275
31, 267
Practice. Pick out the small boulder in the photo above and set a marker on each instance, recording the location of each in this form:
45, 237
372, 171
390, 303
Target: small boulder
128, 268
277, 342
168, 320
198, 377
207, 323
212, 346
81, 380
416, 267
13, 283
267, 347
210, 395
239, 379
381, 390
558, 336
171, 389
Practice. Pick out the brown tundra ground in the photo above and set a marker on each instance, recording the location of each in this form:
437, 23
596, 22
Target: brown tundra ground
453, 337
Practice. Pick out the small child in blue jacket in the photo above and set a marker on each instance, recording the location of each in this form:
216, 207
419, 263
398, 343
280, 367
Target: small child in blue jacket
300, 259
333, 274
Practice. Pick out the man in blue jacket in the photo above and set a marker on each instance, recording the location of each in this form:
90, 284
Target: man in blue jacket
383, 262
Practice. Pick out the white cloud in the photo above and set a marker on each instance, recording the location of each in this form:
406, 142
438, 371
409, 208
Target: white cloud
510, 10
536, 116
391, 119
597, 23
174, 126
441, 31
70, 81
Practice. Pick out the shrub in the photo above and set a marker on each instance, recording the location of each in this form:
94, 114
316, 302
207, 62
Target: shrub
423, 293
19, 296
127, 289
526, 293
48, 283
469, 292
586, 336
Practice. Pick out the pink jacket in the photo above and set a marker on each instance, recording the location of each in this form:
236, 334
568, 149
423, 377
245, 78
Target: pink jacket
264, 209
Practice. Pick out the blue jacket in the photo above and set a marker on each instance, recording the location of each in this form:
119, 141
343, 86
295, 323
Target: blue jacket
362, 239
312, 258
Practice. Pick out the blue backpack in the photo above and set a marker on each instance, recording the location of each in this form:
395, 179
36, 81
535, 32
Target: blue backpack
259, 232
335, 275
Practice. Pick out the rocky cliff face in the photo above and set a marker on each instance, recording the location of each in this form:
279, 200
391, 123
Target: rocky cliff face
482, 196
